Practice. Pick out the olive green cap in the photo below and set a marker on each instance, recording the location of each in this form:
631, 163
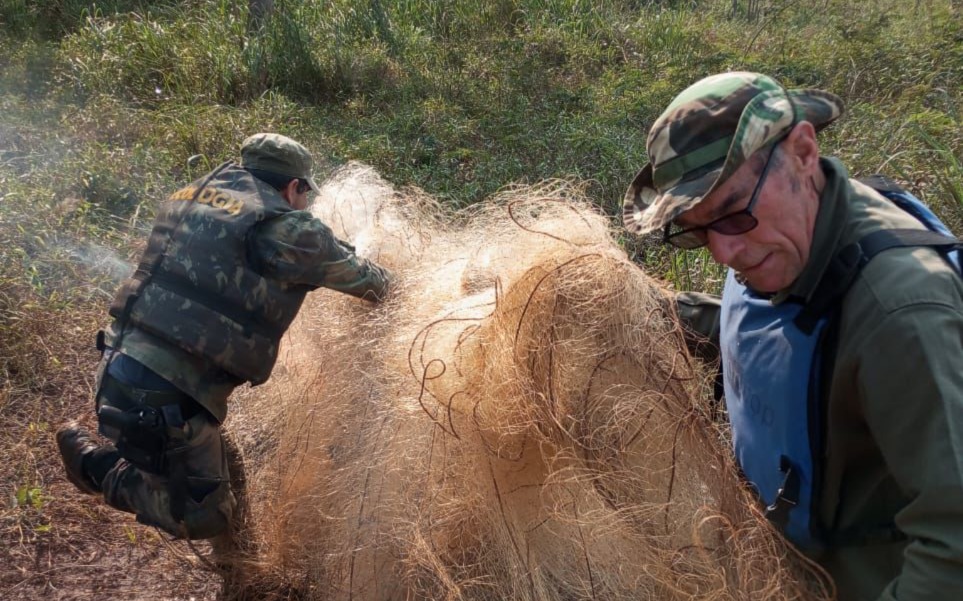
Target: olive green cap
278, 154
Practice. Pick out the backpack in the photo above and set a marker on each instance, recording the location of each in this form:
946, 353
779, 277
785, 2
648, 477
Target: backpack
847, 264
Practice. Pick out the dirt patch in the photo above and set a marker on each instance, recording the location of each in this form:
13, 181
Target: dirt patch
55, 542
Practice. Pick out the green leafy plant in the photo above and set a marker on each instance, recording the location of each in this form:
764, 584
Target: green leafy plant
29, 496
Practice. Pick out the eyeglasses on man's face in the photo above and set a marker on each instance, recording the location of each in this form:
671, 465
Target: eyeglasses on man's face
733, 224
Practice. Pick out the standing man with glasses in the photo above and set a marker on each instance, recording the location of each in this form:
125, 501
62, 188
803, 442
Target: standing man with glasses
226, 269
842, 357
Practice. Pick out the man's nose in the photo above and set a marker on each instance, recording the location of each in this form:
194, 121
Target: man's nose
725, 248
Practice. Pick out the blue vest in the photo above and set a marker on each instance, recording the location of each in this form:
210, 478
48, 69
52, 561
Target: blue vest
772, 358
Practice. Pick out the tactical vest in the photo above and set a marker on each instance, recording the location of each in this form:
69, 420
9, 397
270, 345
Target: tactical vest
195, 286
777, 361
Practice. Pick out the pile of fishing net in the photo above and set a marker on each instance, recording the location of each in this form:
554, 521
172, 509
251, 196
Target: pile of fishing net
519, 420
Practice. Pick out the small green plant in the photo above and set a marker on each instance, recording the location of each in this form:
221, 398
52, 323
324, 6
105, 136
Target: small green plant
29, 496
131, 534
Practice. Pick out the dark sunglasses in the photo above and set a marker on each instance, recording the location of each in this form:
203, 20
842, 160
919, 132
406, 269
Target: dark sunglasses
303, 186
733, 224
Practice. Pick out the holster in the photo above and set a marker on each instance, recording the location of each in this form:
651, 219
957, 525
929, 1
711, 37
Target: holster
143, 436
149, 429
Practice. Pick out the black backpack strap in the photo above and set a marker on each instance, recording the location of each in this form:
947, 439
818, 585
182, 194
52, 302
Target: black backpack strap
846, 265
787, 496
882, 184
825, 303
840, 275
877, 242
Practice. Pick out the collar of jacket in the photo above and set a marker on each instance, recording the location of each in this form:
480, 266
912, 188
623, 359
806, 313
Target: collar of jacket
831, 221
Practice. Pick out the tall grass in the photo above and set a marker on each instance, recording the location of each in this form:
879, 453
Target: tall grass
46, 19
463, 97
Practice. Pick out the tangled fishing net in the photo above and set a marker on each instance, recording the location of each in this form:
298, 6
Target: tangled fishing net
520, 420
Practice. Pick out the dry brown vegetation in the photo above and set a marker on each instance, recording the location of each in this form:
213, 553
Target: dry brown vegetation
56, 543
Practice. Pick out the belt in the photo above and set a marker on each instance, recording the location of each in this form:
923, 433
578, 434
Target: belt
152, 398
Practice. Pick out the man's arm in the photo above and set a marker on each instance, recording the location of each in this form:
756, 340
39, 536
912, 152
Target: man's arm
297, 248
699, 314
911, 376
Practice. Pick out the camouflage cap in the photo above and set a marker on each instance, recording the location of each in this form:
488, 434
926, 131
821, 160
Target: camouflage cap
277, 154
707, 133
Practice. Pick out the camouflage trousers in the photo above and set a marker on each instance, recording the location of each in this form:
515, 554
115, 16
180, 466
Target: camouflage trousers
173, 473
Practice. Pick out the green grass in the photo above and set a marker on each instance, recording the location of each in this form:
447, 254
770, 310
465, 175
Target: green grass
458, 98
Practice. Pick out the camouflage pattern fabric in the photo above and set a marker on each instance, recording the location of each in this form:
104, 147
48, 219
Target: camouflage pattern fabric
300, 249
226, 269
202, 380
209, 502
239, 263
196, 287
278, 154
707, 133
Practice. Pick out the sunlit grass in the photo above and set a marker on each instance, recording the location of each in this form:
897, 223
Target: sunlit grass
458, 98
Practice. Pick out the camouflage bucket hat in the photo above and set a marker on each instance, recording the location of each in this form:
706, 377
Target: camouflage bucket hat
278, 154
707, 133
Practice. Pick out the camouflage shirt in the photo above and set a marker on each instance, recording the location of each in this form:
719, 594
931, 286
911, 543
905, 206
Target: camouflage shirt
297, 248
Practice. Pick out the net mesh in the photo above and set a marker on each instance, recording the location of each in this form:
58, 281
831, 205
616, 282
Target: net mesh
520, 420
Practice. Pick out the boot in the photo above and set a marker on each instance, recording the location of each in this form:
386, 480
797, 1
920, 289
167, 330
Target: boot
81, 455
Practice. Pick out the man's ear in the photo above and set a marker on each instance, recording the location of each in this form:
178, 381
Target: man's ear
288, 191
802, 145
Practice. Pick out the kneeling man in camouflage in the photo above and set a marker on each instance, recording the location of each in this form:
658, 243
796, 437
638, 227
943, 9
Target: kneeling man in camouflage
226, 269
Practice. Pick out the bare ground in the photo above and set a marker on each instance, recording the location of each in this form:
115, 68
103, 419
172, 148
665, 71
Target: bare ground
56, 542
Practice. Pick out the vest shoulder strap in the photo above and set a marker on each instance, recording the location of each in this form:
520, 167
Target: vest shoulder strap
847, 264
